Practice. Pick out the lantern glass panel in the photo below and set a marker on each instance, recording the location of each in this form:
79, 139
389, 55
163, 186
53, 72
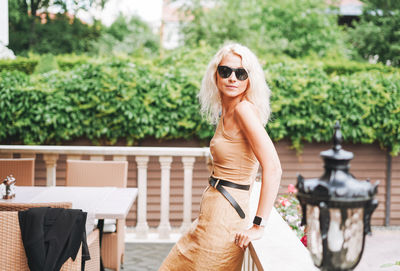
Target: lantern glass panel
354, 234
314, 240
345, 236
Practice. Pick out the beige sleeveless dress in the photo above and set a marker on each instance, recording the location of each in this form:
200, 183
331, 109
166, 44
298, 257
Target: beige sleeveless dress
209, 244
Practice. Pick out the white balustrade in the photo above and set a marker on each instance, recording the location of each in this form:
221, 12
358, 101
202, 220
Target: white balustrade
249, 264
164, 228
263, 254
278, 240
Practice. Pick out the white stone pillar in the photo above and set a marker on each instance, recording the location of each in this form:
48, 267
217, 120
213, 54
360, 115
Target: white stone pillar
74, 157
120, 158
188, 163
97, 157
142, 228
4, 22
164, 228
51, 163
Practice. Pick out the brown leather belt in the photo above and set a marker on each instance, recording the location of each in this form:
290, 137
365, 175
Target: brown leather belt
218, 183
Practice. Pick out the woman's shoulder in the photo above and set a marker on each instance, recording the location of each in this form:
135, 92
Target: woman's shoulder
247, 108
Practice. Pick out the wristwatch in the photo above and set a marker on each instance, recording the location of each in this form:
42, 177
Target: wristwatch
259, 221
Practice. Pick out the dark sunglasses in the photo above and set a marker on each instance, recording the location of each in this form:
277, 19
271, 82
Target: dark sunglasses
225, 72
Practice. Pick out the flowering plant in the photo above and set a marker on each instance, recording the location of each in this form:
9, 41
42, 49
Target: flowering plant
289, 208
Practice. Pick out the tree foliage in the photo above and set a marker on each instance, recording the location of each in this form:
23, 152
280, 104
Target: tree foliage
293, 27
127, 35
40, 33
378, 32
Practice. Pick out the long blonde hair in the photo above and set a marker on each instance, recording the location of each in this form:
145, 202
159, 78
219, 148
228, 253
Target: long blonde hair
257, 92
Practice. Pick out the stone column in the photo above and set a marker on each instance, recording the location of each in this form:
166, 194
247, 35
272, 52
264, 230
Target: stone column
142, 228
51, 163
188, 163
164, 228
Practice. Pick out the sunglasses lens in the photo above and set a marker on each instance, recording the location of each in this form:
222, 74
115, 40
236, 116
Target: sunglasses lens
224, 71
241, 74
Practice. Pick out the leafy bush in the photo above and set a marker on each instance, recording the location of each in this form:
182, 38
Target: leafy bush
70, 61
306, 102
108, 100
341, 66
26, 65
46, 63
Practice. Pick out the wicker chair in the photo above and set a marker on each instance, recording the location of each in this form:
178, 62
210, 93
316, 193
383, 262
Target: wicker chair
22, 169
15, 244
103, 173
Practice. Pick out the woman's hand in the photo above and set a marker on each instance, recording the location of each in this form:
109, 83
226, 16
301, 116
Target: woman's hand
242, 239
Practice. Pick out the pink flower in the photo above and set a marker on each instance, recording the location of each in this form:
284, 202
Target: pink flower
304, 240
285, 202
292, 188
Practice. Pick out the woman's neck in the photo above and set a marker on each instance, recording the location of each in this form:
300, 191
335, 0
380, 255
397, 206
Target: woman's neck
228, 104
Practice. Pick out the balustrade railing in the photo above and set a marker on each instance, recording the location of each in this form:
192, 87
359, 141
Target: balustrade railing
142, 156
255, 257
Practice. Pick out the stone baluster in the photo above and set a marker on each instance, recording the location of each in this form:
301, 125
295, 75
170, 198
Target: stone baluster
164, 228
120, 158
188, 163
142, 228
74, 157
97, 157
50, 160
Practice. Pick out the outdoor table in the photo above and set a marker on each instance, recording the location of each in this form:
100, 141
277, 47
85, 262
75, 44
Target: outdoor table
103, 202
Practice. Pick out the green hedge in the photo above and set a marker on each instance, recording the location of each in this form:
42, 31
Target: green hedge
306, 101
133, 99
26, 65
68, 62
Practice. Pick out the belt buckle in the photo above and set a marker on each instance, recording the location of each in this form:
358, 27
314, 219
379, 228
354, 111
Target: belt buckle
216, 183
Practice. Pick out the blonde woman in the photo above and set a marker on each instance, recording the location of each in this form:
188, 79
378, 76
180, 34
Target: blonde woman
235, 96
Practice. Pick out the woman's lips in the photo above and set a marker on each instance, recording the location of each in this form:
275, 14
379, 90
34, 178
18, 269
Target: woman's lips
231, 86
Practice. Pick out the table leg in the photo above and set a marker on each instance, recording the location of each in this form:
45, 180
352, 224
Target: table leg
100, 226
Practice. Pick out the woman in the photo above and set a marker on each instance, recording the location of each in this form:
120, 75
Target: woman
235, 96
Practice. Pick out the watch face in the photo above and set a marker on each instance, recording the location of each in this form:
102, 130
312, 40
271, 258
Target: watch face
257, 220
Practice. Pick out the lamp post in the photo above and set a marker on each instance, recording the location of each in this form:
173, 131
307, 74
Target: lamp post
337, 210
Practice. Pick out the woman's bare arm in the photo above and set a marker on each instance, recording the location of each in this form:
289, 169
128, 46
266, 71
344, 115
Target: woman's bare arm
264, 150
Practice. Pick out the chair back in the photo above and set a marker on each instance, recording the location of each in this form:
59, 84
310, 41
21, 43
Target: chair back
96, 173
12, 256
14, 206
22, 169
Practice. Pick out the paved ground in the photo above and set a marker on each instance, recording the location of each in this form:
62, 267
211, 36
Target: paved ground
382, 250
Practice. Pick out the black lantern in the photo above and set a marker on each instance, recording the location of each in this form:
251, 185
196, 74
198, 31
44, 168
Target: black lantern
337, 210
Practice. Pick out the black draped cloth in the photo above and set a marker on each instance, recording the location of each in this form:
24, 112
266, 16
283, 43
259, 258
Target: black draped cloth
52, 235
